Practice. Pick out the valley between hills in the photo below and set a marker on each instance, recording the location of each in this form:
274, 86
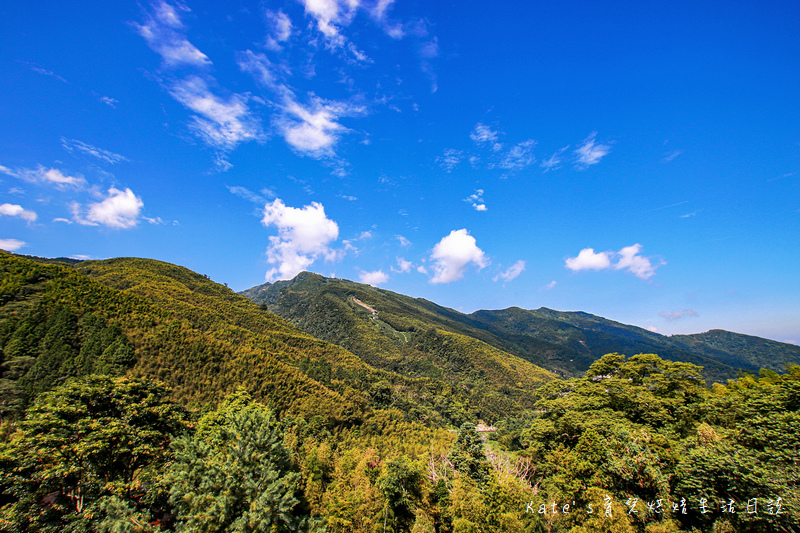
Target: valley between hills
137, 395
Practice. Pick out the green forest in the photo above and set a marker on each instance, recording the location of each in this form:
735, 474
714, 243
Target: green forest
139, 396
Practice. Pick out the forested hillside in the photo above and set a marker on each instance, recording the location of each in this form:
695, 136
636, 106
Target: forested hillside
139, 396
565, 343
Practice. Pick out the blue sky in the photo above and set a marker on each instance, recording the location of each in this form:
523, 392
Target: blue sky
639, 161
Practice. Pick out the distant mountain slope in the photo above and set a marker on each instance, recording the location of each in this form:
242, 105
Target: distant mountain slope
169, 323
759, 352
412, 337
563, 342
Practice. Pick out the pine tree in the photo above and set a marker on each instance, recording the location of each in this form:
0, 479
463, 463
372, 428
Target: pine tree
235, 474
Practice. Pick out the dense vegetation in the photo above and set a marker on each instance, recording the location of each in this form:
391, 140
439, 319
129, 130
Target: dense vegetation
142, 397
564, 343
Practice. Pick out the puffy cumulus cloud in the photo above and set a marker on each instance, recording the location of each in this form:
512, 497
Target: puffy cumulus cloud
587, 259
652, 328
512, 272
163, 32
11, 245
221, 123
71, 145
549, 286
677, 315
589, 152
374, 278
627, 259
519, 156
476, 199
118, 210
304, 235
51, 176
453, 254
13, 210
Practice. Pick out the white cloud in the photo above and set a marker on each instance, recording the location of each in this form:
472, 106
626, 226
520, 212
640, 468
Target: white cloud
110, 157
111, 102
119, 210
519, 156
304, 235
220, 123
422, 270
671, 156
280, 27
374, 278
453, 254
587, 259
247, 194
476, 199
261, 68
14, 210
549, 286
677, 315
314, 130
450, 159
52, 176
163, 33
330, 14
554, 161
512, 272
639, 266
589, 153
403, 241
628, 259
403, 266
365, 235
652, 328
483, 134
11, 245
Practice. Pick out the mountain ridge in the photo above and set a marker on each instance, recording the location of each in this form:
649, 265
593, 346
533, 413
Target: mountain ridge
564, 342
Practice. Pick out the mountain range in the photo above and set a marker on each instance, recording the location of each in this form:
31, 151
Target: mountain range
565, 343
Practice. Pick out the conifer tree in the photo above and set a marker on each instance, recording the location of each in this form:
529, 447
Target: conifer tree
235, 474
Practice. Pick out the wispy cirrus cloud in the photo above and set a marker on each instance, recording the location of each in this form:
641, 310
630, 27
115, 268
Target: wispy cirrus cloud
42, 175
519, 156
511, 272
450, 159
72, 145
677, 315
627, 259
163, 31
279, 27
313, 130
222, 120
484, 135
590, 152
554, 161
